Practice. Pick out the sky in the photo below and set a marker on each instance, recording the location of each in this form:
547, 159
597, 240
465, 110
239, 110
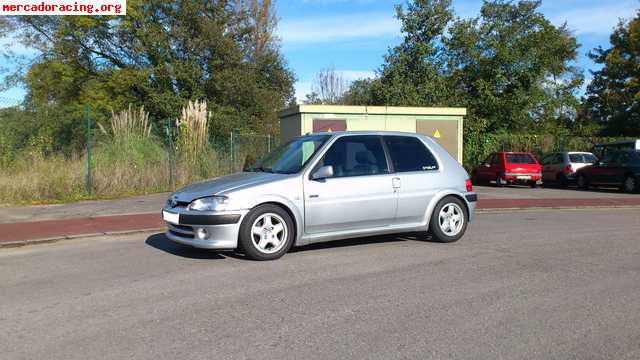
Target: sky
353, 36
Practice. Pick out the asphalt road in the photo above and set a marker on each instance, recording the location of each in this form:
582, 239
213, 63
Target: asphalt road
520, 285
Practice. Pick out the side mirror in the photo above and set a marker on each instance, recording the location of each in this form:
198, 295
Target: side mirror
486, 165
322, 173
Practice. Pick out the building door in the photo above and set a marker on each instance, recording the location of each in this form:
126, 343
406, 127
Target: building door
329, 125
444, 132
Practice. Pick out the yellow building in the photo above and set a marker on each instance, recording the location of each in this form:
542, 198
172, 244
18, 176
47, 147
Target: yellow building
443, 124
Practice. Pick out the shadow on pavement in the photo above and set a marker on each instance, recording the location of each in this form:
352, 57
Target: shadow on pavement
160, 242
362, 241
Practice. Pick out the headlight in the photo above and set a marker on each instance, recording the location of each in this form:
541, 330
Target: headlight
213, 203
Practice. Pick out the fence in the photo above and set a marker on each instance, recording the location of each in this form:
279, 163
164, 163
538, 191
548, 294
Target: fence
100, 163
106, 165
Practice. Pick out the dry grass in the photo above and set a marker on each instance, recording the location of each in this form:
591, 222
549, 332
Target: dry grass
193, 131
131, 162
130, 122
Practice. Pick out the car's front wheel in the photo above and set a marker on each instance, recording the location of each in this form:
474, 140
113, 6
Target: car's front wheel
448, 220
266, 233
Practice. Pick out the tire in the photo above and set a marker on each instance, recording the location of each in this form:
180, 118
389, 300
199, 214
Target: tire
443, 227
583, 182
498, 180
266, 242
533, 184
630, 184
563, 181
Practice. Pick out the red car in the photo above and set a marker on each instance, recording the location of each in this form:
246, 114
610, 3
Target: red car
509, 168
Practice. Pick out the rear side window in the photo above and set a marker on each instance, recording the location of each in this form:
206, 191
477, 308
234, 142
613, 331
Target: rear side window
582, 158
520, 159
410, 154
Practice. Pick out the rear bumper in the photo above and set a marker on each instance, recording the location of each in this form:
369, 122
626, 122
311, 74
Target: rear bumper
472, 201
522, 177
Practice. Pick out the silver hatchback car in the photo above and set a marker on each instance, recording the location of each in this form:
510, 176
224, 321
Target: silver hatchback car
327, 186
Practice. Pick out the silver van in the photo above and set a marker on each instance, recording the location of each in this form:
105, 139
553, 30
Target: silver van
327, 186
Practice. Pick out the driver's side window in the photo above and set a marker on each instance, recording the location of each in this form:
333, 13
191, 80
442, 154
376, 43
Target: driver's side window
356, 156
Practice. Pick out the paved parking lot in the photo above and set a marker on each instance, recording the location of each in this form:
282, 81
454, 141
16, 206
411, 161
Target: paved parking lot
521, 285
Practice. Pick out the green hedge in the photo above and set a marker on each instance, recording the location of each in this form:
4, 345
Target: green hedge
479, 148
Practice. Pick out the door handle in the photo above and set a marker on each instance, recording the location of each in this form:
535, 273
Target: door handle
396, 183
313, 196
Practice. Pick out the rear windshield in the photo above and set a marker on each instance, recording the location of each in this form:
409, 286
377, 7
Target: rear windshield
582, 158
520, 159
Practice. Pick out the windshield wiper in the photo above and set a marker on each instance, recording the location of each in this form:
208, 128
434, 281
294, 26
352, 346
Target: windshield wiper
261, 169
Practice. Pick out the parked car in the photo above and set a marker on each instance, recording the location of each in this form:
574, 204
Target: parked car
617, 168
561, 167
327, 186
600, 150
503, 168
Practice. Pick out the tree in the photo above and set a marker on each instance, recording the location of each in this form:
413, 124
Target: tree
329, 87
160, 55
613, 97
414, 72
513, 68
510, 66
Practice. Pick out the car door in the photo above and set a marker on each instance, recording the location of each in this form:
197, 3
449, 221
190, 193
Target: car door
547, 167
603, 172
485, 170
360, 194
419, 177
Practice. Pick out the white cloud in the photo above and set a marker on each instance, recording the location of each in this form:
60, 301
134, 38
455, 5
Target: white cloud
351, 75
598, 20
340, 27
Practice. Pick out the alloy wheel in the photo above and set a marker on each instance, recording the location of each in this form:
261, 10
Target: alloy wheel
269, 233
451, 219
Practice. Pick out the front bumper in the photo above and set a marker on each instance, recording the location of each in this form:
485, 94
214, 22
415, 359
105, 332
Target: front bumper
206, 230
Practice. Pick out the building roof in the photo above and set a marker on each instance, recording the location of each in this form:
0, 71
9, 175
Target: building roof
373, 110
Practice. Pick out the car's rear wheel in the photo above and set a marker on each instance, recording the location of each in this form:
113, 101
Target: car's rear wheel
266, 233
448, 220
630, 184
582, 181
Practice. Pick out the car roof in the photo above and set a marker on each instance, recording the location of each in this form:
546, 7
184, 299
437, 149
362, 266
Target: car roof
514, 152
365, 132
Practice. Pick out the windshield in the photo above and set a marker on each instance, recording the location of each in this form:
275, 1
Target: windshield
520, 159
291, 157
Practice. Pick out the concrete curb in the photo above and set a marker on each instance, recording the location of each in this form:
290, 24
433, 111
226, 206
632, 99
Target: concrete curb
496, 210
21, 243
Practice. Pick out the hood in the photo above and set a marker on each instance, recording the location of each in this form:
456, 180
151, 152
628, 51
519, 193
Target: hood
223, 184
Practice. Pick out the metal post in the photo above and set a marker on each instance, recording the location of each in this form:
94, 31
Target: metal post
232, 148
170, 153
268, 143
89, 153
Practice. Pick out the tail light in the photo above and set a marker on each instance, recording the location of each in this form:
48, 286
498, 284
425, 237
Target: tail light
568, 169
469, 185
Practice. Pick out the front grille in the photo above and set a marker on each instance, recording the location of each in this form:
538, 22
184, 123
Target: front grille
182, 235
181, 231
